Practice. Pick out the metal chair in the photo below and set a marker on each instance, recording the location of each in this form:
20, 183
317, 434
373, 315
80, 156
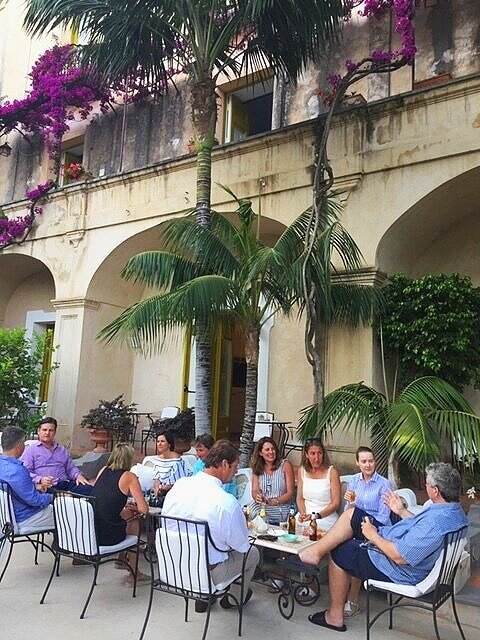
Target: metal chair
151, 432
182, 562
11, 533
76, 537
432, 592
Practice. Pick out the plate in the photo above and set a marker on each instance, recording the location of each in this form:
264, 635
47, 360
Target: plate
290, 537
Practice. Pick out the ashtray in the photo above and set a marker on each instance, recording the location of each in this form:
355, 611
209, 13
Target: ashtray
289, 537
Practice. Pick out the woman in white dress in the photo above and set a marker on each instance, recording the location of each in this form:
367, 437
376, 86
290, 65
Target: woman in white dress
318, 486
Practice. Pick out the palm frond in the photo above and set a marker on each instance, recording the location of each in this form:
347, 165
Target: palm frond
160, 269
145, 324
353, 406
292, 32
184, 236
430, 392
355, 304
411, 434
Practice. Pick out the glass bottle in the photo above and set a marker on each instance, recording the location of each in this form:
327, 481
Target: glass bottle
312, 532
292, 523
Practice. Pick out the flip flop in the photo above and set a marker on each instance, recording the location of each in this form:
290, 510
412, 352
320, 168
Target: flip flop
319, 618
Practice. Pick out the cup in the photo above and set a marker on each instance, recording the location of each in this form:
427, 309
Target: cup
283, 526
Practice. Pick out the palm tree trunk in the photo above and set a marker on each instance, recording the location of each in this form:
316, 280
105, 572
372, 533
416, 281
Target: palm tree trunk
393, 470
203, 413
204, 118
252, 347
318, 365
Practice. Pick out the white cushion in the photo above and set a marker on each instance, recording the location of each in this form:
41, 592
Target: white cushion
182, 559
181, 564
6, 508
427, 584
75, 525
408, 494
130, 541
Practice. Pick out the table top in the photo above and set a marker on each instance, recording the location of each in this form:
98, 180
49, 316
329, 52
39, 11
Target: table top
293, 548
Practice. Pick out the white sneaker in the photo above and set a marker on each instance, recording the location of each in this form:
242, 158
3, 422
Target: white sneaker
351, 609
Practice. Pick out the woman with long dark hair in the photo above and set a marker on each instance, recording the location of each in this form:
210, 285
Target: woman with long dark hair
273, 482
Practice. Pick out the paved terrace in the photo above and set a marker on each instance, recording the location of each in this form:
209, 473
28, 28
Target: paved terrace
114, 614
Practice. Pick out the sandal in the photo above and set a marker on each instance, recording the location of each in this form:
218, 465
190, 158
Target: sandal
320, 619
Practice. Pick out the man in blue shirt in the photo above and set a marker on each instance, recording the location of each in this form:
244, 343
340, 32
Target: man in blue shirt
404, 553
33, 509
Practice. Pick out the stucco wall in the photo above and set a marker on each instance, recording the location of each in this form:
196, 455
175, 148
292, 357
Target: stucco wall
34, 293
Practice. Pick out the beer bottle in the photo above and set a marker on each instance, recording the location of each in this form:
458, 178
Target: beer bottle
292, 524
312, 534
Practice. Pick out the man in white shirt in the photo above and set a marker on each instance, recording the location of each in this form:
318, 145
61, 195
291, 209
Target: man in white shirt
201, 497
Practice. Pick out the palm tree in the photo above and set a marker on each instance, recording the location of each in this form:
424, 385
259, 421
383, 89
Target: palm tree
151, 40
225, 273
413, 425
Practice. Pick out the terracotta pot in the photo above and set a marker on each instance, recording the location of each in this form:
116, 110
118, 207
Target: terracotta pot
102, 439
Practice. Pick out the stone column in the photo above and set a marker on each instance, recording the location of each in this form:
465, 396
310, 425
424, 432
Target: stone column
88, 369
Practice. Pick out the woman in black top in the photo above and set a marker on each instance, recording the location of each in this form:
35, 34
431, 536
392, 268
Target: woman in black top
114, 484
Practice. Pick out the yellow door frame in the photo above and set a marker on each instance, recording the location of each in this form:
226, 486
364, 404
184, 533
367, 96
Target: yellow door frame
221, 376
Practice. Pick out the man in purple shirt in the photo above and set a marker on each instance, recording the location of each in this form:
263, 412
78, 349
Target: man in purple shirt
50, 464
33, 509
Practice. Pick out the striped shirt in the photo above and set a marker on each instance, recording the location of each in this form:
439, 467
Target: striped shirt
168, 470
369, 495
419, 540
272, 485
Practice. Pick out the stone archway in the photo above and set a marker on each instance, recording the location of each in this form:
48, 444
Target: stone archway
26, 285
438, 234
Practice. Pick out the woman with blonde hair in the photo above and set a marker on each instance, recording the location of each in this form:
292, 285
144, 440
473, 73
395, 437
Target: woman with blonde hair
273, 481
114, 484
318, 486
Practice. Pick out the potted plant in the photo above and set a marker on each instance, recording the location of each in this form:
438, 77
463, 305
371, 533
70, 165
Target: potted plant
76, 171
182, 426
109, 419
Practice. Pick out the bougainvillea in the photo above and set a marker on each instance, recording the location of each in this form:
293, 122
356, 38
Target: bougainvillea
60, 92
379, 60
16, 230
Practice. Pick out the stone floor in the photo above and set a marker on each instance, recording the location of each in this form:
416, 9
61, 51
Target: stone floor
114, 614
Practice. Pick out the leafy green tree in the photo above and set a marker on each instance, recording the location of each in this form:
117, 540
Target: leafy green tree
430, 327
152, 40
21, 373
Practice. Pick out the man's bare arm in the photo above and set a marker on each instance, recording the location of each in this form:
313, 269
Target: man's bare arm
387, 547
